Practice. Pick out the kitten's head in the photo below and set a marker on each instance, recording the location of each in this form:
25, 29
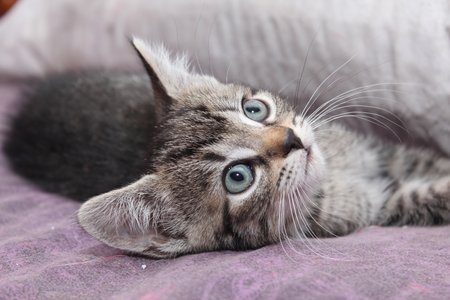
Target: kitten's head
225, 157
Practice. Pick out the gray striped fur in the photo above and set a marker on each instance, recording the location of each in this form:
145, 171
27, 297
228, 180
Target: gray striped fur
339, 182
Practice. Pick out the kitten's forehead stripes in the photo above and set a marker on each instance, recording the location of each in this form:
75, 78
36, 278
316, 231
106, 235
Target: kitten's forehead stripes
214, 157
203, 128
201, 107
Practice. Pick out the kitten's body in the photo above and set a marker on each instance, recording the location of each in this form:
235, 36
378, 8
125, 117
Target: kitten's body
375, 183
89, 133
335, 182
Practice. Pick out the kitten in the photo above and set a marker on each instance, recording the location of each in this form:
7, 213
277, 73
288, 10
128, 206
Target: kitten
225, 167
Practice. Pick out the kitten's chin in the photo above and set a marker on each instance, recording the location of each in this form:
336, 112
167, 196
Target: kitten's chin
295, 201
309, 161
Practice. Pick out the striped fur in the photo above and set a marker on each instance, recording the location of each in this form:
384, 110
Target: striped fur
337, 182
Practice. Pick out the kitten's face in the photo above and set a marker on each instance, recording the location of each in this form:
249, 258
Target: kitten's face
225, 158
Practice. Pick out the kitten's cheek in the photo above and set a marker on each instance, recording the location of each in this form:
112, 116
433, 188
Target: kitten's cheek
303, 158
316, 163
310, 156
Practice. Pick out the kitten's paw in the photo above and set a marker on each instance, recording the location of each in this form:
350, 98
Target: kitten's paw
418, 203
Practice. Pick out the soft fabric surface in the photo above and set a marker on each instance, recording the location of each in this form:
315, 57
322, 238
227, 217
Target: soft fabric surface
45, 255
43, 252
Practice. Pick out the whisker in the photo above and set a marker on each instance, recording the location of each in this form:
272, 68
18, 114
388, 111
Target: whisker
330, 214
343, 79
280, 223
228, 69
364, 117
286, 85
298, 220
363, 87
283, 234
341, 106
305, 61
317, 222
298, 226
286, 236
366, 113
345, 96
309, 103
195, 39
311, 247
211, 65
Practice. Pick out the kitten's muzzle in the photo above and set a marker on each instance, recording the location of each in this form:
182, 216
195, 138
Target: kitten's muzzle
280, 141
291, 142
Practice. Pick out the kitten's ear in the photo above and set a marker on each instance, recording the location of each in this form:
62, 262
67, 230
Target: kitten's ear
168, 75
127, 219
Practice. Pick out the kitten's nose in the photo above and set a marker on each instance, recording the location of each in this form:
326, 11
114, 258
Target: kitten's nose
280, 141
291, 142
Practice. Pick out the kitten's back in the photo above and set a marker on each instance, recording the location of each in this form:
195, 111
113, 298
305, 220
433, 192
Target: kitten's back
83, 134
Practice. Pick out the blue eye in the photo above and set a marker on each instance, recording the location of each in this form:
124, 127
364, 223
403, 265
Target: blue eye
238, 178
255, 110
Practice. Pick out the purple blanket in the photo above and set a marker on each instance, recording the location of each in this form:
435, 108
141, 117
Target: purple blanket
44, 254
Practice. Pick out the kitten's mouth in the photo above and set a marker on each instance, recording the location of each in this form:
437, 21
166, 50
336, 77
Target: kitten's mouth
295, 170
303, 163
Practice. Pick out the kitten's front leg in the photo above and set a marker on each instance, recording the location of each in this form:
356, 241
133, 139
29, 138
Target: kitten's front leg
418, 202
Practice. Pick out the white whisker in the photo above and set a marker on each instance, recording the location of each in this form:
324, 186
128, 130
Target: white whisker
365, 113
339, 102
309, 103
361, 116
343, 99
298, 212
304, 65
228, 69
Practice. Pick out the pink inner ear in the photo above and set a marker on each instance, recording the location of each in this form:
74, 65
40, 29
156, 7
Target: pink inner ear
142, 238
122, 218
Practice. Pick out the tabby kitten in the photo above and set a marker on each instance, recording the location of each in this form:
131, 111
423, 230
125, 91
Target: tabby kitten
228, 167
